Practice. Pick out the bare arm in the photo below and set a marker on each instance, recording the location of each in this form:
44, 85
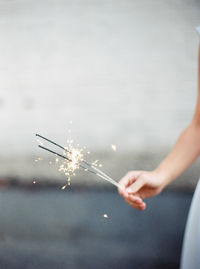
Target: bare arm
187, 147
142, 184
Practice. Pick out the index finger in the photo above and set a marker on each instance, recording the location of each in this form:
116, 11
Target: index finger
128, 179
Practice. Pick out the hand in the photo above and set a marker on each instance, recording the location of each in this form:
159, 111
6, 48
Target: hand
138, 185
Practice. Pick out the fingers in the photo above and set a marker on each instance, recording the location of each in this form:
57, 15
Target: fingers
122, 191
134, 199
139, 206
128, 179
136, 186
129, 188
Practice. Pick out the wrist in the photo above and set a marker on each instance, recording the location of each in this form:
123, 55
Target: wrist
163, 177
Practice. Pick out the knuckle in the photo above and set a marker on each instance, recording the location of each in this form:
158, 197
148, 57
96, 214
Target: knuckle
122, 181
143, 179
129, 174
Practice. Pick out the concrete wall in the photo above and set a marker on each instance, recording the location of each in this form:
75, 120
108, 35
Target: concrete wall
123, 71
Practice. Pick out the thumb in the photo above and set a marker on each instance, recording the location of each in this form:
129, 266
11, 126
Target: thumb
136, 186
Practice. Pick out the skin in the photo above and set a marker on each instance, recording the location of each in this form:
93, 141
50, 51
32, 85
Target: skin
139, 185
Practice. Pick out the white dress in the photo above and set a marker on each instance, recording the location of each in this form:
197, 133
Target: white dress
198, 30
190, 258
191, 244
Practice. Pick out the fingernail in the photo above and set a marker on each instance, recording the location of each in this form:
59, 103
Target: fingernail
129, 190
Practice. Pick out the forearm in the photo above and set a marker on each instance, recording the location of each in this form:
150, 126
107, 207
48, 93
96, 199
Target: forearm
183, 154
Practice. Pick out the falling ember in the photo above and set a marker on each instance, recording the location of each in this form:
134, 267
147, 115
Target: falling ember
40, 142
38, 159
114, 148
64, 187
105, 216
95, 163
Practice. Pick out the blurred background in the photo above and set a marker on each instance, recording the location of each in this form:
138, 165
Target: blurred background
102, 73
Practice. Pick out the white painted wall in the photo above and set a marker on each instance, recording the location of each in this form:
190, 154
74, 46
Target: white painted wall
123, 71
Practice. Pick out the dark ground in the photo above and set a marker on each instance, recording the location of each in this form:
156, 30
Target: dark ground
50, 229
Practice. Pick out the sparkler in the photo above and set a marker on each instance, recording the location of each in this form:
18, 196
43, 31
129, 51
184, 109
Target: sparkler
74, 158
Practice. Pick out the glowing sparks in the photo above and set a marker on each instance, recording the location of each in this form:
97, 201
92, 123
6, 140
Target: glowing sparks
39, 142
75, 155
34, 181
72, 158
105, 216
95, 163
64, 187
38, 159
114, 147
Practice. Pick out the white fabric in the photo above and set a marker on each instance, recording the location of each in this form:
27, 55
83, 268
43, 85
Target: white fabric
191, 245
198, 30
190, 258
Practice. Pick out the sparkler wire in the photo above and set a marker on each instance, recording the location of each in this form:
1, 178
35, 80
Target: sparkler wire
64, 157
52, 142
94, 170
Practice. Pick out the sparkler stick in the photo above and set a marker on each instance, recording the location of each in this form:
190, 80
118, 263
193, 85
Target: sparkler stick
88, 167
103, 175
113, 182
65, 149
52, 142
64, 157
84, 161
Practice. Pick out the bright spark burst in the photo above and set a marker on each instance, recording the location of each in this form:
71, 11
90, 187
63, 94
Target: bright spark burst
75, 156
105, 216
73, 159
34, 181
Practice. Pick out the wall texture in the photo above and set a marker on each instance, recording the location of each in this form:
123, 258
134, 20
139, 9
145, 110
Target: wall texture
123, 71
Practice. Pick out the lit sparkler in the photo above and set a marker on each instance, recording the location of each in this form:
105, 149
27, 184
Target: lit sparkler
73, 159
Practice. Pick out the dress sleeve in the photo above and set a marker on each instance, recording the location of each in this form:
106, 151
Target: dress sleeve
198, 30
